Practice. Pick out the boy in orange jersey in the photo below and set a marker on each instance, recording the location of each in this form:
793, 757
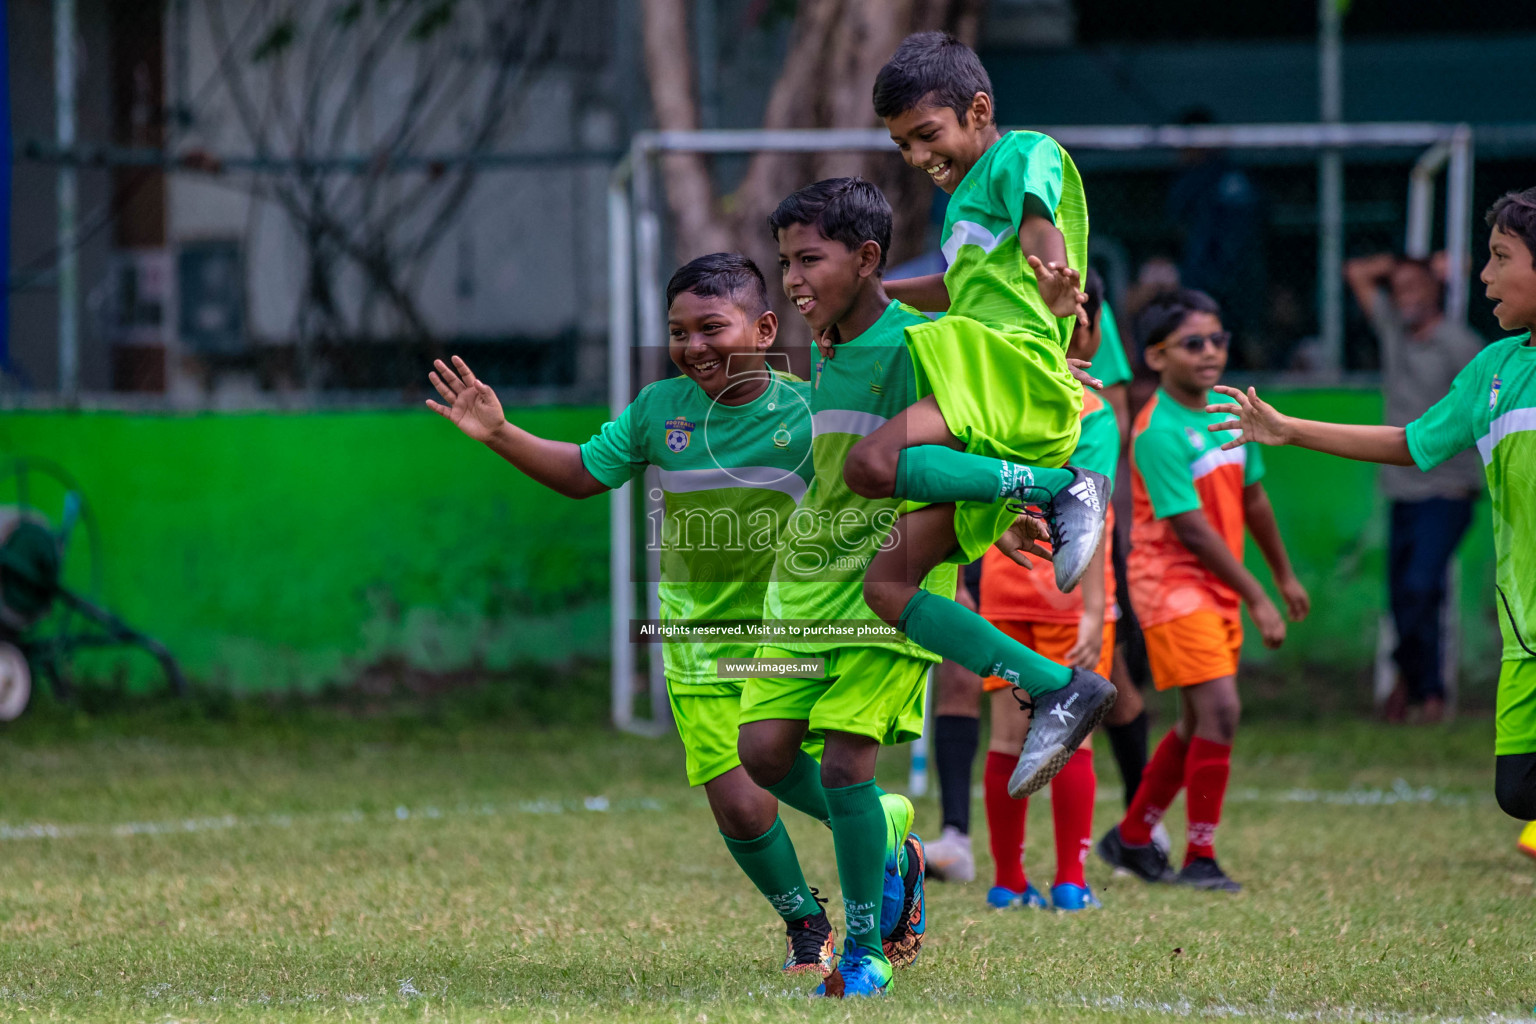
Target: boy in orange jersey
1191, 503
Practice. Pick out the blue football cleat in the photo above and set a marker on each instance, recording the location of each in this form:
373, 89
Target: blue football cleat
903, 942
1069, 897
1007, 899
860, 972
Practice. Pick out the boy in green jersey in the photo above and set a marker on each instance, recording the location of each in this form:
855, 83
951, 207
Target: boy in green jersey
732, 441
832, 239
998, 410
1492, 406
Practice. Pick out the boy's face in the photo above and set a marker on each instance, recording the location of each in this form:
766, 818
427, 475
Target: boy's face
1086, 340
709, 335
822, 277
1415, 294
1511, 281
1189, 359
932, 139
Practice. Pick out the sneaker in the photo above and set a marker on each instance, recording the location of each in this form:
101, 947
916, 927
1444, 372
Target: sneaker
950, 858
1070, 897
1205, 873
1076, 521
999, 898
1147, 863
1061, 720
859, 973
903, 942
812, 945
1527, 841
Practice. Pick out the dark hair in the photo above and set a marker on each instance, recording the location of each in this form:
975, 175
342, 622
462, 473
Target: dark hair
1093, 284
722, 275
1514, 213
1427, 268
847, 210
1167, 310
931, 66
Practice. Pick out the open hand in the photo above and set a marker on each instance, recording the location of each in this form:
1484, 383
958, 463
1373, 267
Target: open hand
1271, 626
1297, 602
1023, 539
473, 407
1079, 368
1060, 286
1256, 419
1090, 642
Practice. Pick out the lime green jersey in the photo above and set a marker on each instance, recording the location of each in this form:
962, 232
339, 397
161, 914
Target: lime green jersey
818, 572
1492, 405
730, 477
989, 278
1110, 364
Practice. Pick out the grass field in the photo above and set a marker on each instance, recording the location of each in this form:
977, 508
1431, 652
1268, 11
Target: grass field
345, 870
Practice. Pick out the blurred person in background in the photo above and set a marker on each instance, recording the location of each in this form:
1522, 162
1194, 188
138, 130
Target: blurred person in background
1421, 353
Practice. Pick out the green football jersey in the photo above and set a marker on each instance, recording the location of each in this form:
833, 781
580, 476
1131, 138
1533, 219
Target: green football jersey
730, 478
1110, 364
818, 573
1492, 404
989, 278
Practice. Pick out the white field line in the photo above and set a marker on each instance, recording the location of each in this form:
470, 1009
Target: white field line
1400, 793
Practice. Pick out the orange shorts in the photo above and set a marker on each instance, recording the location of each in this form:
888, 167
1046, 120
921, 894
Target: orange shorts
1053, 640
1194, 648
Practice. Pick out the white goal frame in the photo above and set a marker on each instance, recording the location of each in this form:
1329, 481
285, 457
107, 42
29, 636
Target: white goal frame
636, 281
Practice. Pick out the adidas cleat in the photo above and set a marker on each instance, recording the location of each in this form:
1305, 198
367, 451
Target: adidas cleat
1076, 521
904, 941
999, 898
1069, 897
811, 945
1205, 873
860, 972
1147, 863
949, 857
1061, 720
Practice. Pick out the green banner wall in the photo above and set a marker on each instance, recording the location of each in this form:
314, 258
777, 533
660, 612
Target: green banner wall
274, 550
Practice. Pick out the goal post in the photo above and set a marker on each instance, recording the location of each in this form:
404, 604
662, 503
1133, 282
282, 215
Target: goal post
636, 314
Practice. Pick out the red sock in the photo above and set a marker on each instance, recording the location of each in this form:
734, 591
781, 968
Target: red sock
1206, 771
1160, 783
1005, 822
1072, 793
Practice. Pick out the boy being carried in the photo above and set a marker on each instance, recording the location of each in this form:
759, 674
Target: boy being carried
999, 411
1192, 499
719, 326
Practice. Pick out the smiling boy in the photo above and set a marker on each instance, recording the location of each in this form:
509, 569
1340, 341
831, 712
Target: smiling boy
732, 441
1491, 407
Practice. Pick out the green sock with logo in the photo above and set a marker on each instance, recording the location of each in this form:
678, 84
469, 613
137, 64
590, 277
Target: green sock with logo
858, 837
770, 862
948, 628
936, 474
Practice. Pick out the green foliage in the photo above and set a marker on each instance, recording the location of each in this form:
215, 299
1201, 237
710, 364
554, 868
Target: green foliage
433, 20
282, 35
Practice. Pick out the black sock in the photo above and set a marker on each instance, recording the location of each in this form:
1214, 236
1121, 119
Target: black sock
1129, 743
954, 751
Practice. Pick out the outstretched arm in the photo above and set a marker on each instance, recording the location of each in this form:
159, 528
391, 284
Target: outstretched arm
1195, 533
1261, 422
474, 408
1260, 517
1367, 275
926, 293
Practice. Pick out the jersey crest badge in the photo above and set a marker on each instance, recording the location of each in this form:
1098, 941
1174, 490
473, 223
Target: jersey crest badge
875, 387
781, 437
679, 433
1493, 392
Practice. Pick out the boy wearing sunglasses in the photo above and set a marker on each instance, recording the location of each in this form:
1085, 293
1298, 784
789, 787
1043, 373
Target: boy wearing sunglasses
1191, 501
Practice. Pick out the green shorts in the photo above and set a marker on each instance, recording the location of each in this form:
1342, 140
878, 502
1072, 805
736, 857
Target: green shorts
707, 723
867, 691
1515, 708
1006, 395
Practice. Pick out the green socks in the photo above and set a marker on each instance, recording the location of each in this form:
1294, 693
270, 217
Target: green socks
936, 474
858, 836
770, 862
801, 788
962, 636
